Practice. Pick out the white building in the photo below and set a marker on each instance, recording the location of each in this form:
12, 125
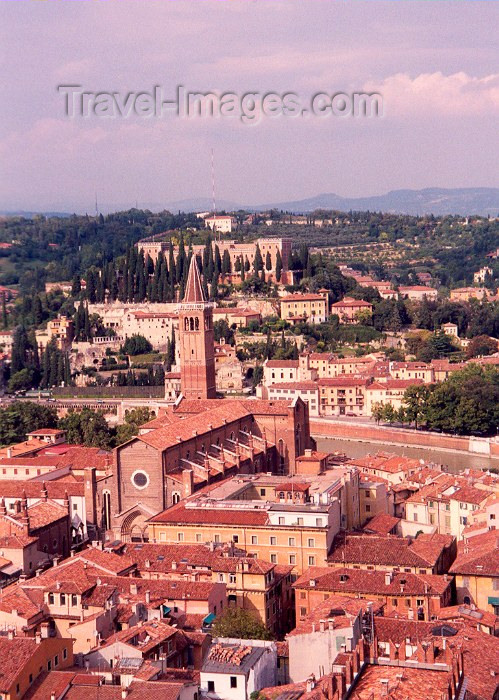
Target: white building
234, 668
222, 224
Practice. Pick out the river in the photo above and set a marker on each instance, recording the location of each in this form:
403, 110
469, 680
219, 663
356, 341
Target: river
454, 462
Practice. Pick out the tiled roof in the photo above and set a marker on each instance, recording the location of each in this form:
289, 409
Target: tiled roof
45, 513
283, 364
139, 690
159, 589
478, 555
385, 550
348, 302
14, 655
199, 424
14, 488
372, 582
107, 561
341, 610
295, 386
47, 683
470, 615
14, 597
302, 297
381, 524
413, 683
179, 514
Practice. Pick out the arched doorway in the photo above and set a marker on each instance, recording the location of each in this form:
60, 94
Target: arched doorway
134, 528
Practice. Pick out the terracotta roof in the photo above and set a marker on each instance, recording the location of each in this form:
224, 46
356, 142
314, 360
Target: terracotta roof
193, 289
199, 424
341, 610
14, 597
413, 683
283, 364
372, 582
139, 690
45, 513
382, 524
386, 550
179, 514
302, 297
107, 561
14, 488
348, 302
469, 614
478, 555
48, 683
295, 386
14, 656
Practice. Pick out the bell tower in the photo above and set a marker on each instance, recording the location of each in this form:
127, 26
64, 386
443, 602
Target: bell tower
197, 343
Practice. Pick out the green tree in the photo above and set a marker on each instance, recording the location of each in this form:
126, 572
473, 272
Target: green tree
130, 428
240, 624
87, 428
258, 261
21, 417
20, 381
415, 398
278, 266
136, 345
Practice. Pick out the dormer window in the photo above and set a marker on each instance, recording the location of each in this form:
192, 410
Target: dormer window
51, 599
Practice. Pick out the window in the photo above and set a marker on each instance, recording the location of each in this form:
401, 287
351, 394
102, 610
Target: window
63, 599
291, 541
368, 494
273, 558
233, 681
368, 508
300, 521
408, 602
31, 678
180, 536
262, 493
51, 599
273, 541
198, 537
235, 538
56, 661
220, 578
415, 517
17, 689
292, 559
311, 561
281, 520
303, 595
49, 665
211, 686
64, 653
318, 522
254, 539
217, 538
466, 581
311, 542
419, 603
303, 612
232, 578
395, 602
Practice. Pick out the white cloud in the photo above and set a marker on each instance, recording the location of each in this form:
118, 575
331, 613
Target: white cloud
432, 94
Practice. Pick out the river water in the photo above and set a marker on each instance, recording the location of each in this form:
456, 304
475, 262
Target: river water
454, 462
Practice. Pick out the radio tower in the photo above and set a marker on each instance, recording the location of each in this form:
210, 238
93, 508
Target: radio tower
213, 188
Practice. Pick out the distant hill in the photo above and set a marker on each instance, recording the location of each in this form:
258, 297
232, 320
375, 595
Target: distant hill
465, 201
433, 200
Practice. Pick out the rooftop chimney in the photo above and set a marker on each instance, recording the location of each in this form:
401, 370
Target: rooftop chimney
148, 597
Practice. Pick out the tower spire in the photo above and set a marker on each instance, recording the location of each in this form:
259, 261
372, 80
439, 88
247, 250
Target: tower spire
193, 289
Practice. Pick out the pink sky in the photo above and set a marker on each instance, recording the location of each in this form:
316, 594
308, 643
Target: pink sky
435, 63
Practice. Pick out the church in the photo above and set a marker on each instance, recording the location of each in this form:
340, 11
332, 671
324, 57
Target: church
201, 438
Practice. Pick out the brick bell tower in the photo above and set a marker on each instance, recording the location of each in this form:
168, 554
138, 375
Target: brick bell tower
197, 343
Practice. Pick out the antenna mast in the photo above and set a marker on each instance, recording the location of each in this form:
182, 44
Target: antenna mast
213, 190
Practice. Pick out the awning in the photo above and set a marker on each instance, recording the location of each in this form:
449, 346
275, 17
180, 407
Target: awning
493, 601
166, 610
208, 620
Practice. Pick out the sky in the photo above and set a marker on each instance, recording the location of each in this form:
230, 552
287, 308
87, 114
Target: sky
435, 64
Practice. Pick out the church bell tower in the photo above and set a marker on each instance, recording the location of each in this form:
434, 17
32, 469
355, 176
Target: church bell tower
197, 343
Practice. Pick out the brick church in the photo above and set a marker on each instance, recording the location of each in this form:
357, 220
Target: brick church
200, 438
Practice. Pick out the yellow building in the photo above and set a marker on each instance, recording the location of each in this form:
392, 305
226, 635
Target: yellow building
312, 308
289, 522
476, 569
23, 659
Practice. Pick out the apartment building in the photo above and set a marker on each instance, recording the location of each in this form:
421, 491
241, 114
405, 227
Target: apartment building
448, 503
409, 595
282, 521
308, 308
343, 396
418, 292
476, 569
387, 393
276, 371
349, 309
425, 554
467, 293
308, 392
255, 585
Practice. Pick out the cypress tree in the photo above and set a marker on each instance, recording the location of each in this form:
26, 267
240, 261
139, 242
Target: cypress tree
258, 261
76, 286
218, 260
5, 320
226, 265
171, 265
278, 266
37, 310
268, 262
